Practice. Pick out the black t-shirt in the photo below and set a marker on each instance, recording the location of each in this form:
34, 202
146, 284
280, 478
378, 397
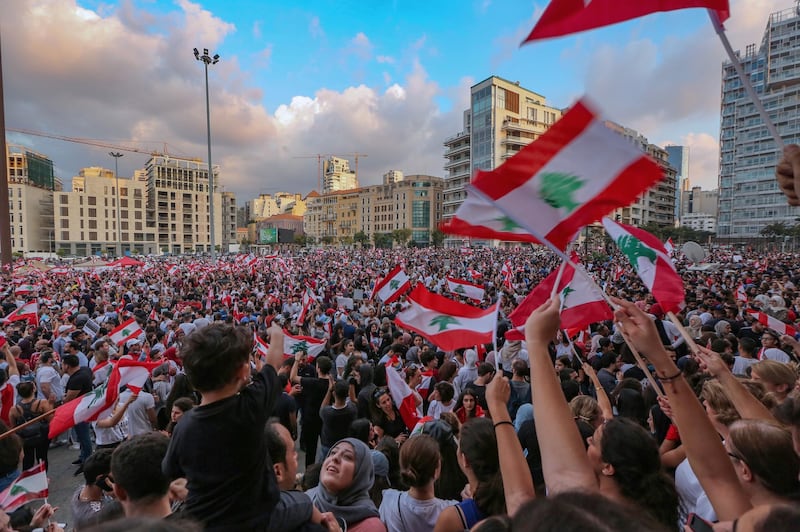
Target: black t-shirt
284, 408
336, 423
393, 428
314, 390
220, 449
81, 380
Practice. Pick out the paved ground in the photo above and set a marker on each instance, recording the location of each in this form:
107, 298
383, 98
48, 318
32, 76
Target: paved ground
62, 482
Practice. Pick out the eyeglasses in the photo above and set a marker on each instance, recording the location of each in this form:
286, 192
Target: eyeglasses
379, 392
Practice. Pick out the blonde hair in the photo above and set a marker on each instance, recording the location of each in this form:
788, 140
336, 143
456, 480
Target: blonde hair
585, 408
714, 394
766, 447
775, 372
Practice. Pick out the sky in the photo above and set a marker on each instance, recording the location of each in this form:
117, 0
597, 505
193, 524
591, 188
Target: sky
388, 79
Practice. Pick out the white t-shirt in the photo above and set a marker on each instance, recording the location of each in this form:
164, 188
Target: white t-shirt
692, 496
400, 512
138, 420
436, 408
48, 374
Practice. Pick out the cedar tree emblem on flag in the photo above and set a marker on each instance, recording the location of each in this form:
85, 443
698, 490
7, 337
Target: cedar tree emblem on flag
557, 190
633, 248
443, 322
300, 346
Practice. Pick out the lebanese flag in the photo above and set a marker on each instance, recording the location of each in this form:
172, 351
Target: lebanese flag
29, 486
402, 396
237, 316
582, 303
126, 331
773, 323
312, 346
261, 346
25, 289
669, 246
28, 311
392, 286
475, 274
88, 407
425, 385
479, 218
173, 270
650, 260
741, 294
578, 171
446, 323
153, 315
508, 275
466, 288
563, 17
308, 299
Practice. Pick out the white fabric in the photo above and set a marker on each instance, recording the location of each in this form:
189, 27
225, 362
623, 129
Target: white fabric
138, 420
413, 515
49, 375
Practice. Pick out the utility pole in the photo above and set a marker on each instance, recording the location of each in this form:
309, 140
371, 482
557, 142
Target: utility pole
116, 155
5, 217
208, 60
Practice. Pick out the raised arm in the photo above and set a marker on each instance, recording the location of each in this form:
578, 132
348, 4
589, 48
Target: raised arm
602, 397
564, 461
517, 480
275, 351
705, 451
12, 363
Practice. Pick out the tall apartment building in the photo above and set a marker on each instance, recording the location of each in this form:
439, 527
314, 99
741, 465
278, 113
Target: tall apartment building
678, 158
749, 198
336, 175
177, 204
392, 176
31, 183
657, 204
227, 219
502, 119
266, 205
697, 200
97, 217
414, 203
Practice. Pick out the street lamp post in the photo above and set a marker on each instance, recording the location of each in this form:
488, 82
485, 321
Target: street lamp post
209, 60
116, 155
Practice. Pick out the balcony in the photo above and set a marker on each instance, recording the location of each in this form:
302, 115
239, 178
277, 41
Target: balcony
457, 150
449, 165
461, 135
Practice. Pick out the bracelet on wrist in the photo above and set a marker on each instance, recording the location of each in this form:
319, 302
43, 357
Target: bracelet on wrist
503, 423
669, 378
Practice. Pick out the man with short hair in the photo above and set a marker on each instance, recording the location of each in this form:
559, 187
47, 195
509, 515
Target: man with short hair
79, 383
139, 483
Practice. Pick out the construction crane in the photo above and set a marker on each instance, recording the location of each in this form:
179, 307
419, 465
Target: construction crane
90, 142
320, 156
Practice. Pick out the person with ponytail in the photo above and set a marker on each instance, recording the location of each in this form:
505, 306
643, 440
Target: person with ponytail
418, 508
478, 458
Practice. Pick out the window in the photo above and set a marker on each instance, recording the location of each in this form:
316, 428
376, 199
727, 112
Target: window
64, 224
92, 224
92, 235
63, 199
92, 213
65, 235
124, 203
64, 211
92, 200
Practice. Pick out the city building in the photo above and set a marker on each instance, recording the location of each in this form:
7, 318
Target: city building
502, 119
700, 221
414, 203
336, 175
177, 204
392, 176
103, 214
227, 219
696, 200
31, 183
266, 205
749, 198
678, 158
657, 205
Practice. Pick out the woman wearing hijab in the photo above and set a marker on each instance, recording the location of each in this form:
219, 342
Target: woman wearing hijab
346, 476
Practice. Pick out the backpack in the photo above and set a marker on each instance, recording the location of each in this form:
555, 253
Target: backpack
36, 433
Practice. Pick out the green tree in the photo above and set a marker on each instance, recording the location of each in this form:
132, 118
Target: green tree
437, 238
382, 240
346, 240
775, 229
327, 240
300, 239
401, 236
361, 239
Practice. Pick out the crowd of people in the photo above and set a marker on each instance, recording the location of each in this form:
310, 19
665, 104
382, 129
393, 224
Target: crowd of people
564, 431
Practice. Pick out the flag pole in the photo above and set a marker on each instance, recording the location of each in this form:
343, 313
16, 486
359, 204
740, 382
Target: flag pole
686, 336
641, 363
14, 430
494, 333
748, 87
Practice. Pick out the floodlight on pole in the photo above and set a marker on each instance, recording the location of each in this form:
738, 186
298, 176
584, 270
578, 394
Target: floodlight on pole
208, 60
116, 155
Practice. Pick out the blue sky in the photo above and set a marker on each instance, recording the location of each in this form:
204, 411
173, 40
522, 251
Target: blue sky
389, 79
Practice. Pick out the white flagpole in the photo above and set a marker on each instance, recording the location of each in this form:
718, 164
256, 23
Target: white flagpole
494, 332
737, 65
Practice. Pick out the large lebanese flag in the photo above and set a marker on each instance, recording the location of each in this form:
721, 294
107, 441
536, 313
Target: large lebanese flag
563, 17
479, 218
30, 485
392, 286
651, 262
447, 324
582, 303
126, 331
773, 323
89, 406
402, 396
312, 346
466, 288
578, 171
28, 311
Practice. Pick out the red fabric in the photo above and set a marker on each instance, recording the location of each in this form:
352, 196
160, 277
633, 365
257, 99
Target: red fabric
672, 434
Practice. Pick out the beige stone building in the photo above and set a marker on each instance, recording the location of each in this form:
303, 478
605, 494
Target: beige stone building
96, 217
31, 183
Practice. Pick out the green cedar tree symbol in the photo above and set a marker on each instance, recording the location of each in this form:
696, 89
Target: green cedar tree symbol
566, 292
126, 332
633, 248
443, 322
97, 394
17, 489
557, 190
459, 289
394, 284
507, 223
300, 346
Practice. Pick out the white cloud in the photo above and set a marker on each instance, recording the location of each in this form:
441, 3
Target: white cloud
384, 59
315, 28
257, 29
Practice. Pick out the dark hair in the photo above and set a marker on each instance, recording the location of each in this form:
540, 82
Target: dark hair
579, 511
451, 479
276, 447
460, 404
446, 391
633, 453
419, 459
181, 387
447, 370
781, 518
184, 403
788, 412
630, 404
426, 357
570, 388
324, 364
485, 369
214, 354
147, 524
479, 445
25, 389
136, 466
70, 361
10, 447
359, 429
341, 389
607, 359
747, 345
98, 464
